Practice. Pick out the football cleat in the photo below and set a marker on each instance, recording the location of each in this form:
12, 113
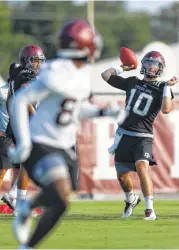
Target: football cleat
22, 223
150, 214
130, 206
9, 200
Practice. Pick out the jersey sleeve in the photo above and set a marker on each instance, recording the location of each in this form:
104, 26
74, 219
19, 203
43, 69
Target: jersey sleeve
89, 110
118, 82
18, 106
3, 94
92, 110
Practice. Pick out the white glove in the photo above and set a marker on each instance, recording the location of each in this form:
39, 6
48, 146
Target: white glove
19, 153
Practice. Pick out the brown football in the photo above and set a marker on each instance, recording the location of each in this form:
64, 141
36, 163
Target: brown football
128, 57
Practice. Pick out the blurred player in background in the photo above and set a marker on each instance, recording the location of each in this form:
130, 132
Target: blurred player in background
20, 75
44, 146
134, 138
4, 119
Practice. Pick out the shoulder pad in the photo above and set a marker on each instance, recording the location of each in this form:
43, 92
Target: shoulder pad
159, 84
14, 69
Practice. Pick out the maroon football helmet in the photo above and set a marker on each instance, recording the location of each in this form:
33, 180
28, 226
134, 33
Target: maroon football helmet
76, 40
30, 53
153, 64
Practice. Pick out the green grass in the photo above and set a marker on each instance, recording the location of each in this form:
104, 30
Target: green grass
99, 225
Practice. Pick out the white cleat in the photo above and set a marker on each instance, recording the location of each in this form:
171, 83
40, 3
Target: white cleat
150, 214
128, 210
9, 200
22, 223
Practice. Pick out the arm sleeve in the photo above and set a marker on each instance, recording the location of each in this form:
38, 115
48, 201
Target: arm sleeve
118, 82
91, 110
19, 116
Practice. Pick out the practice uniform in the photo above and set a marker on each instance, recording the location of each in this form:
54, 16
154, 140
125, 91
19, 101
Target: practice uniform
4, 119
62, 90
17, 77
134, 137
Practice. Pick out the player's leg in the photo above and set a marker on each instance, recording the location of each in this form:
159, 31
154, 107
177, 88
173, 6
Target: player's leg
10, 197
2, 174
143, 158
51, 173
15, 172
73, 169
60, 191
18, 190
5, 164
124, 165
22, 183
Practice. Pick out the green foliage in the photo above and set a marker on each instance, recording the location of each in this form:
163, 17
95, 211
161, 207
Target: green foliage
10, 42
5, 22
111, 18
10, 46
39, 21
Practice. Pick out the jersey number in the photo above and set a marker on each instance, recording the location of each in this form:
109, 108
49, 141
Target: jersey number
136, 108
64, 118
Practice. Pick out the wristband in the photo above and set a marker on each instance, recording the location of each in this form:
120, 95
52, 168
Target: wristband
167, 91
119, 71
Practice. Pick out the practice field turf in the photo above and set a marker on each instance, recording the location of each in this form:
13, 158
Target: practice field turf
99, 225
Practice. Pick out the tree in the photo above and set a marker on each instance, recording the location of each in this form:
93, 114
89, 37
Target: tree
10, 43
117, 26
165, 25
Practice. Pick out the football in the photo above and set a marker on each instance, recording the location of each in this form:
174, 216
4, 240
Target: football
128, 57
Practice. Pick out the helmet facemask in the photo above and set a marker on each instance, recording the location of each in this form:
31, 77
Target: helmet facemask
153, 64
28, 62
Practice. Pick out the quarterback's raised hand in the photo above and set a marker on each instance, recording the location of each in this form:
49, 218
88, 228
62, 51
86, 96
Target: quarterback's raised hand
172, 81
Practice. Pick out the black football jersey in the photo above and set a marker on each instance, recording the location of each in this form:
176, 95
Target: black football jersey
143, 102
17, 77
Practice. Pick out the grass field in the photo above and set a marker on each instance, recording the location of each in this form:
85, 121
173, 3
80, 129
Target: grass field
99, 225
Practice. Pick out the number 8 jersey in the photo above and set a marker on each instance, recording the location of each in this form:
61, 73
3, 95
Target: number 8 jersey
61, 89
143, 102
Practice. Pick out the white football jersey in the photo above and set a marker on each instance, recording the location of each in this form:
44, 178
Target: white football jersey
61, 89
4, 118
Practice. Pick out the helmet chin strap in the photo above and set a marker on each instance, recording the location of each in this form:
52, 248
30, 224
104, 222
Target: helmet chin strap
150, 78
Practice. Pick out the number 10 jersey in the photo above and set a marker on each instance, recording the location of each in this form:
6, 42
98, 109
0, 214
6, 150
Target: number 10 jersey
143, 102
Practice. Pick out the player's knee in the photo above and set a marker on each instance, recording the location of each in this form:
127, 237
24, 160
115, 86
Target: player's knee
121, 176
142, 167
50, 169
